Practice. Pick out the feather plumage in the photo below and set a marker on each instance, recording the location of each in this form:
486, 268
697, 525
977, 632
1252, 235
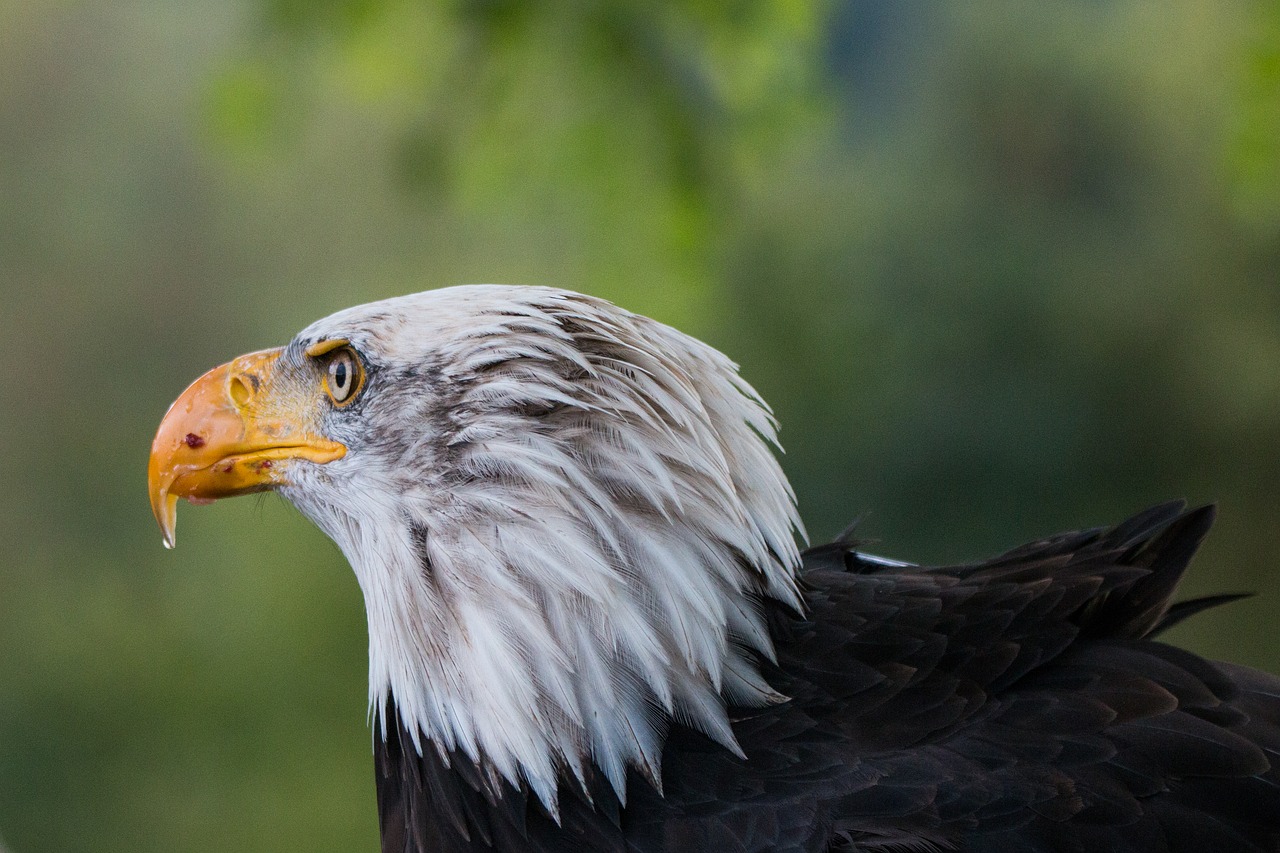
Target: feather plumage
590, 627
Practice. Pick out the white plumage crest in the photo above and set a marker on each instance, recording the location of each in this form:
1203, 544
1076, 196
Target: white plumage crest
563, 517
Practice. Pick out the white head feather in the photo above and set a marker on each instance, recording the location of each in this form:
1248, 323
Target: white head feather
563, 517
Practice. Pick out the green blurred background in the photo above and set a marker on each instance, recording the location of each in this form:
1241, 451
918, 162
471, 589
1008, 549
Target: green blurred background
1002, 268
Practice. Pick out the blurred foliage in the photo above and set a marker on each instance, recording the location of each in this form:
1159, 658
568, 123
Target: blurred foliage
1002, 269
1258, 153
622, 133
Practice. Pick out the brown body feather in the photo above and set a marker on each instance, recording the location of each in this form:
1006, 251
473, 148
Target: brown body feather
1017, 704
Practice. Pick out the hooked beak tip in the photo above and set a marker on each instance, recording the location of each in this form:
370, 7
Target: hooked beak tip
165, 507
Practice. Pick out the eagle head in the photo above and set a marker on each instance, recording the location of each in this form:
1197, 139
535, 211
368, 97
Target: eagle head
564, 517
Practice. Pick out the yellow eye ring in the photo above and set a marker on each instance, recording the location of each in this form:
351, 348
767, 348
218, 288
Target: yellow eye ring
343, 376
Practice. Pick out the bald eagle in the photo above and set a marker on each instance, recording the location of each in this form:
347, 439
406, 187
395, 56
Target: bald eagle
591, 628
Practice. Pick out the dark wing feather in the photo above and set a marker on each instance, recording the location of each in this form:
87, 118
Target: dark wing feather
1016, 704
1183, 610
1087, 734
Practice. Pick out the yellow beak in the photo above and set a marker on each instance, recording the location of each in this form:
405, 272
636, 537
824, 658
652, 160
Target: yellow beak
228, 435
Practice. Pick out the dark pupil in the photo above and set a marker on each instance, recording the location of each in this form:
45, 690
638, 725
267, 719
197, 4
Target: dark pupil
340, 376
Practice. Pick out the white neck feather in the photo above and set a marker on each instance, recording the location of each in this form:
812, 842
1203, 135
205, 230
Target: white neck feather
574, 555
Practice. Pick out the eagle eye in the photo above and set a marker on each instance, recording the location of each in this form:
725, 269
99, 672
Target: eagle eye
344, 376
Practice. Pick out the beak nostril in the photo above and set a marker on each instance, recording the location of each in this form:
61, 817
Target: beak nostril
240, 390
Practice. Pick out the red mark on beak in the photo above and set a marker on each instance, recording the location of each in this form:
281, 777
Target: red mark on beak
266, 463
193, 441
